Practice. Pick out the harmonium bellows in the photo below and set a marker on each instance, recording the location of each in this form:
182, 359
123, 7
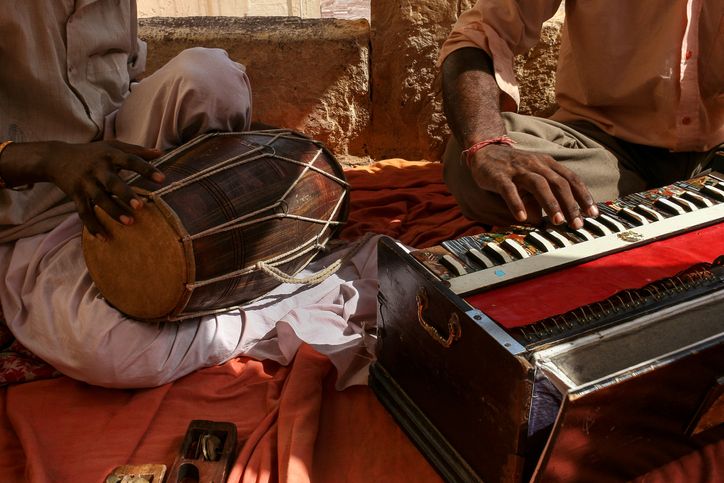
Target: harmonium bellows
558, 354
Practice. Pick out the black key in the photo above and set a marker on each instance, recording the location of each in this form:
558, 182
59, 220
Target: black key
697, 199
596, 227
540, 242
649, 213
686, 204
668, 206
615, 225
713, 192
558, 238
633, 217
583, 234
480, 258
496, 252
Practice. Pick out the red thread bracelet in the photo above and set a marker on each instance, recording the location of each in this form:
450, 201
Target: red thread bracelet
480, 145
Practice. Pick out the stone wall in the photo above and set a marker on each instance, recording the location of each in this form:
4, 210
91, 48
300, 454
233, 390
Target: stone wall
307, 74
367, 94
234, 8
407, 117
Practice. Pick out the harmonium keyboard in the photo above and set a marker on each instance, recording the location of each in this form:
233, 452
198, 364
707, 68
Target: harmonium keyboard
558, 354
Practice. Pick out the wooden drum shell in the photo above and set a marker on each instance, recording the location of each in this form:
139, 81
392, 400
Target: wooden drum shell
273, 196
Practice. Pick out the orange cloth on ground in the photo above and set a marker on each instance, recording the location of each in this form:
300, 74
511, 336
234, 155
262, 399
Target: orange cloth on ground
293, 426
406, 200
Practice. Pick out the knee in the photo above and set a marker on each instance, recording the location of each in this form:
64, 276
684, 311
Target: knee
211, 75
200, 64
210, 71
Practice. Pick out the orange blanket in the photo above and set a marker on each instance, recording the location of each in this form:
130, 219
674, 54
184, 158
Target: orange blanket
292, 425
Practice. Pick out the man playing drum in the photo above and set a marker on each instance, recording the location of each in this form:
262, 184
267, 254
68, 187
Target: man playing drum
640, 88
72, 117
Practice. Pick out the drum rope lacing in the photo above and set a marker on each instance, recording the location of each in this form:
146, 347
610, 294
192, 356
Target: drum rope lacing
269, 266
315, 278
310, 247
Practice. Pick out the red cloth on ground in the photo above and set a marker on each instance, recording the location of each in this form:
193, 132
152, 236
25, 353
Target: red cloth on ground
292, 425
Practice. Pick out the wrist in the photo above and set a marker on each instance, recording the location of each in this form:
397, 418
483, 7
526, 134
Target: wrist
22, 164
469, 153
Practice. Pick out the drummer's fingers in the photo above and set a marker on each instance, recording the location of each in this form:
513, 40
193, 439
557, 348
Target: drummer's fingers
140, 151
123, 193
115, 210
88, 217
134, 163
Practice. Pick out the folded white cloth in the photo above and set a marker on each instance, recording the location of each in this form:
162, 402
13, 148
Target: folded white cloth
53, 308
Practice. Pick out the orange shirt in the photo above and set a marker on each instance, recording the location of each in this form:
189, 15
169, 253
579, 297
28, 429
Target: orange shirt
646, 71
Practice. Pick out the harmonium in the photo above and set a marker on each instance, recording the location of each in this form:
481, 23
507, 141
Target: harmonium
552, 354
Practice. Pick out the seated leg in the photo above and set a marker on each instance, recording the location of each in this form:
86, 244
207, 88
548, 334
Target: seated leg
198, 91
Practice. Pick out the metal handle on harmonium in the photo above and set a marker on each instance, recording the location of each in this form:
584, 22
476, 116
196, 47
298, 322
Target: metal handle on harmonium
453, 325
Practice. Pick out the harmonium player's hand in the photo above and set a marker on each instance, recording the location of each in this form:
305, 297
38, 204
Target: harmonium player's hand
532, 183
87, 173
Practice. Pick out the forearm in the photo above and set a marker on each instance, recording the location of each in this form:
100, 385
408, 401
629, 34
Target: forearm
24, 163
526, 181
471, 97
86, 173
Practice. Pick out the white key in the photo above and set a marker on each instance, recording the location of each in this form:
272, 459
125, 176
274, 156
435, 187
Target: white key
585, 234
453, 264
539, 241
514, 248
495, 251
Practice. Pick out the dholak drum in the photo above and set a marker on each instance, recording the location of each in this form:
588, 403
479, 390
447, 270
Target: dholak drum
234, 210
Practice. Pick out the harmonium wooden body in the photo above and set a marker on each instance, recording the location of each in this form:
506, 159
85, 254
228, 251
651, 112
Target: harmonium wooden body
555, 354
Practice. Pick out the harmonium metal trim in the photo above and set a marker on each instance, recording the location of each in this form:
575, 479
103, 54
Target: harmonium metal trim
606, 390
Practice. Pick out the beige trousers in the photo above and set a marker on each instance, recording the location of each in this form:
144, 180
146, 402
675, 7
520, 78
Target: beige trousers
609, 166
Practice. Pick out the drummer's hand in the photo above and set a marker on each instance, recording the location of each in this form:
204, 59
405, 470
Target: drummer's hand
88, 174
536, 178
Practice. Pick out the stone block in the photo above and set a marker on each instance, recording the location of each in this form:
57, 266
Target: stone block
311, 75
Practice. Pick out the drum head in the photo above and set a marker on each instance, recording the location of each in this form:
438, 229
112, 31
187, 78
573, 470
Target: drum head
142, 269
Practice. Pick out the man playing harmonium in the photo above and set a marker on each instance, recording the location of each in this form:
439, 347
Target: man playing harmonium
484, 321
640, 89
72, 118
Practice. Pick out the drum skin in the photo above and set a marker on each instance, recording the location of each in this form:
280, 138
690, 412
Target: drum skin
179, 257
